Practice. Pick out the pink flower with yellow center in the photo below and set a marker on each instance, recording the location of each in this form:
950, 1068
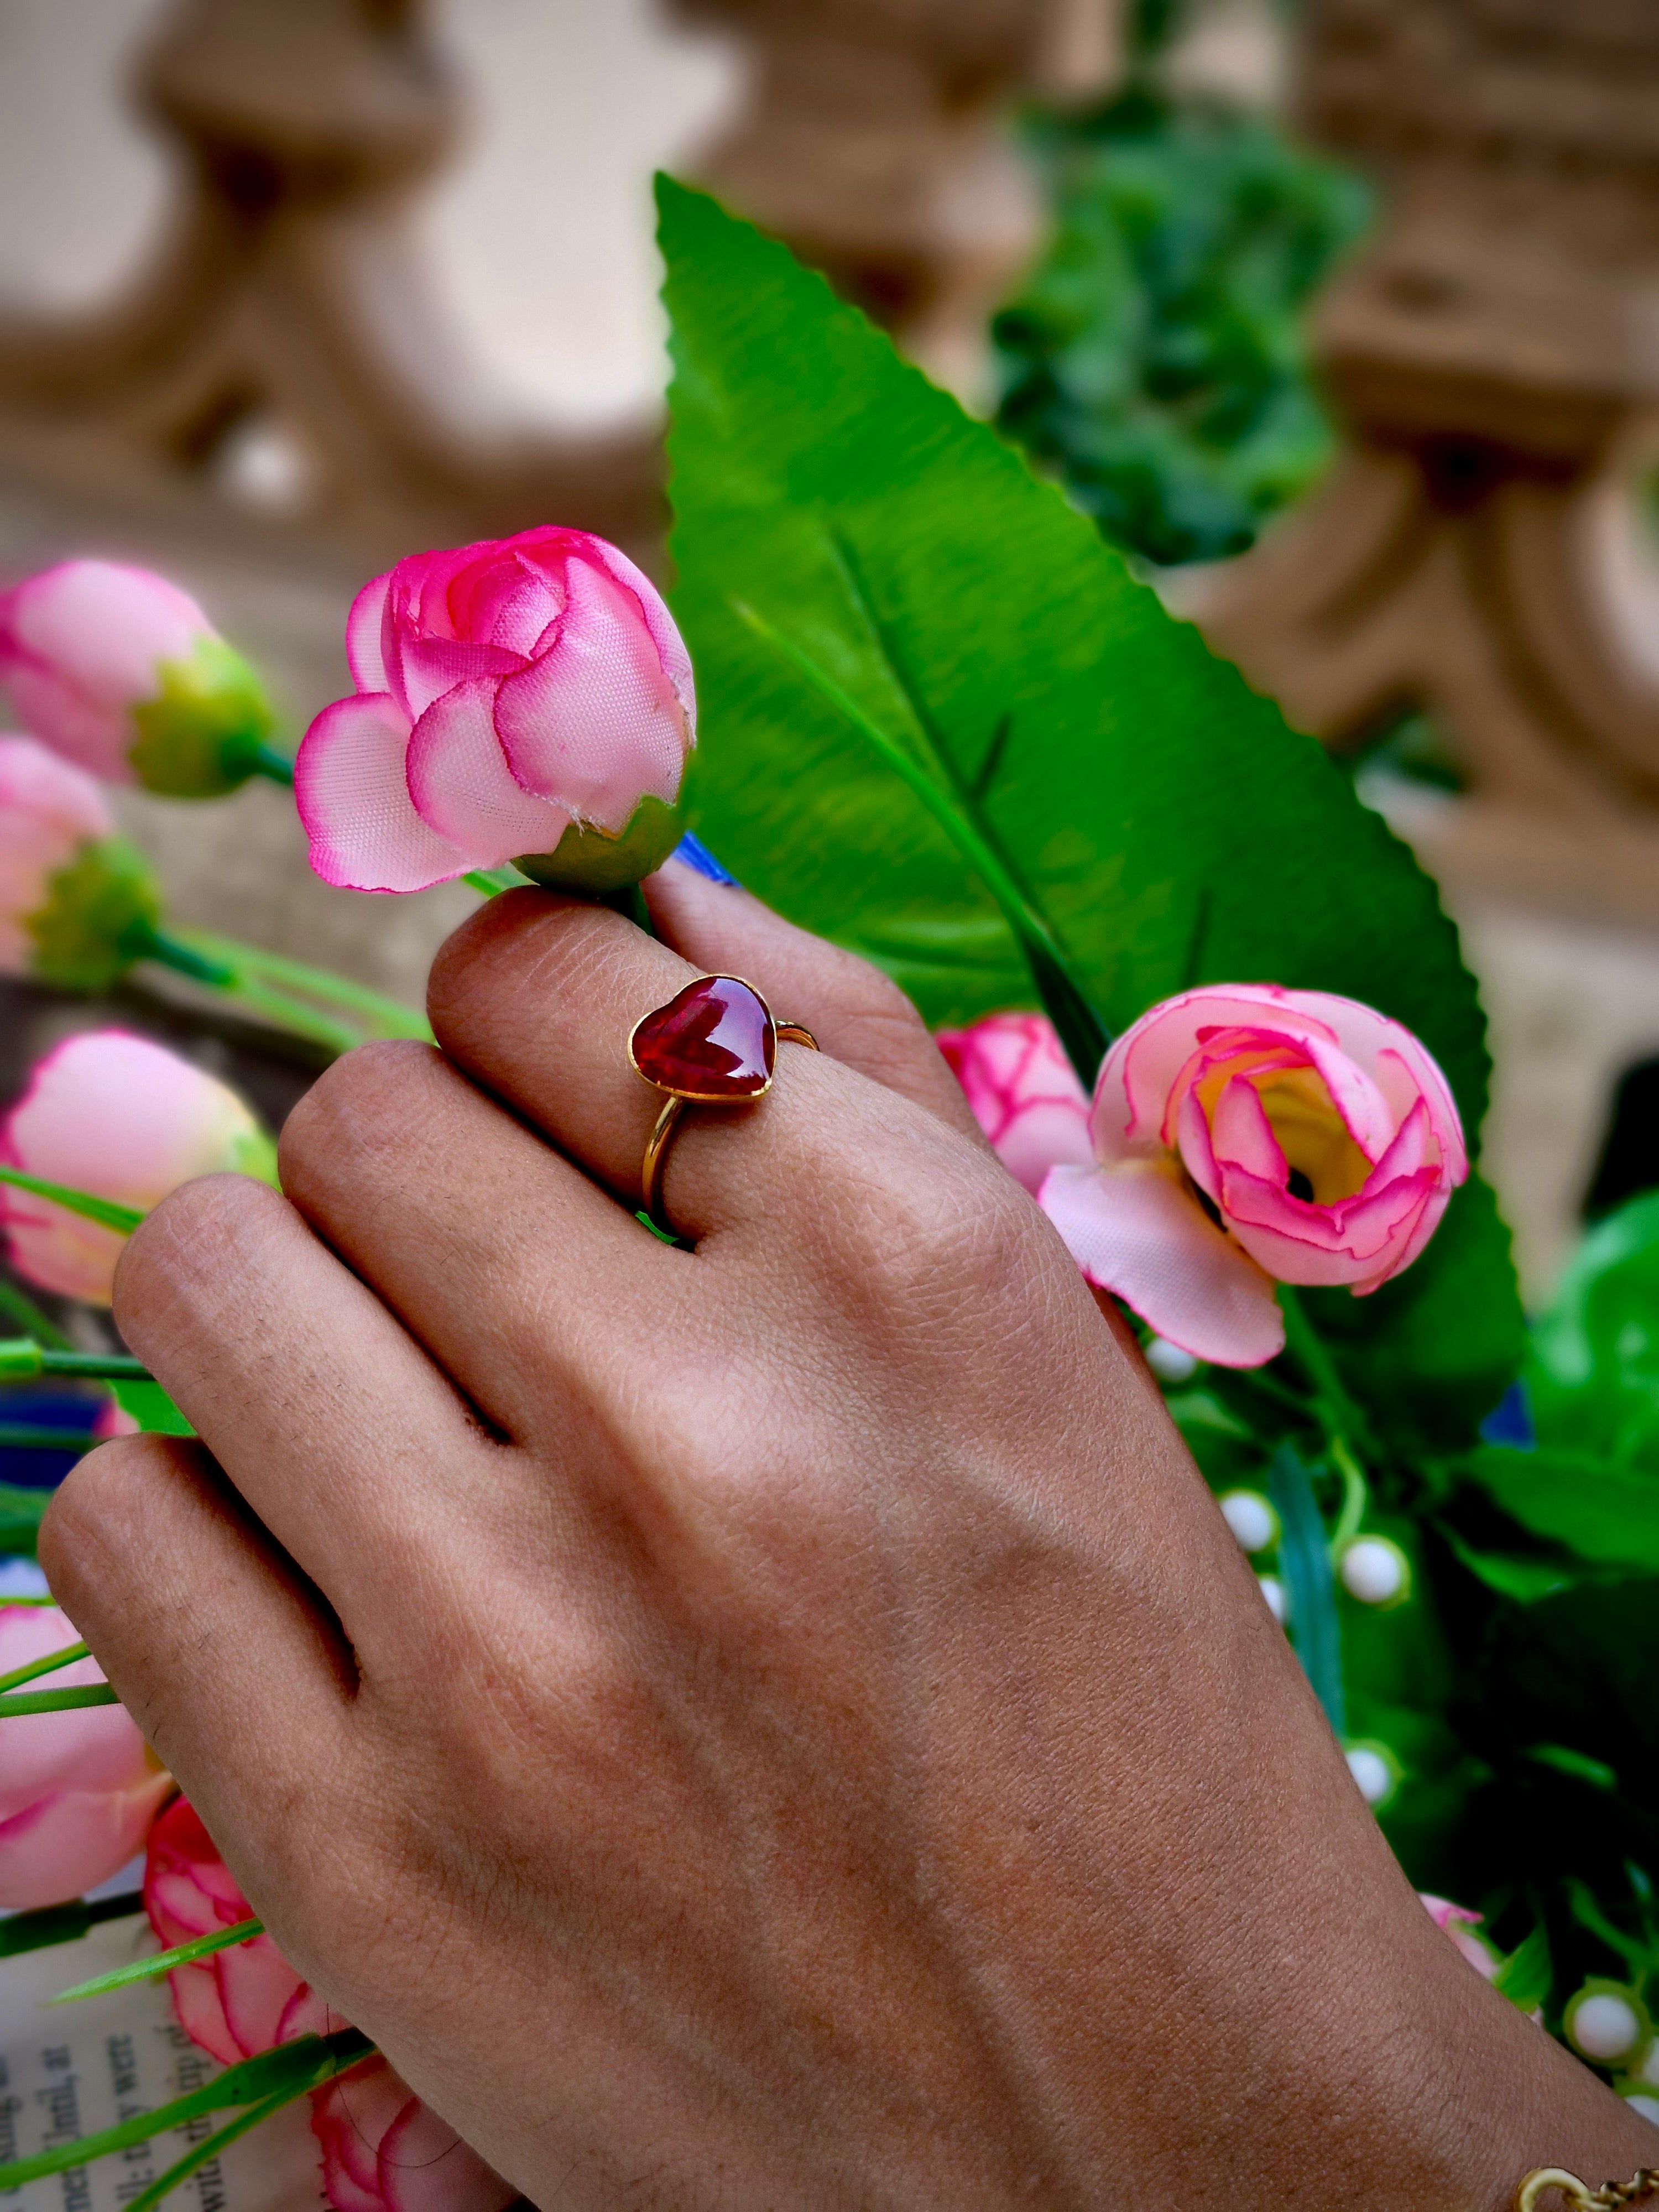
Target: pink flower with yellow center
1244, 1134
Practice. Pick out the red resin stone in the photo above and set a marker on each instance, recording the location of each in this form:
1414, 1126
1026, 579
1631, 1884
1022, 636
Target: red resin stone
714, 1040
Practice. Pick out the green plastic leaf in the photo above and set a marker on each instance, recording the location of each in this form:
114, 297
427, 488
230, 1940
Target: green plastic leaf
107, 1212
1431, 1353
1162, 817
1525, 1975
22, 1511
1602, 1511
1593, 1384
151, 1407
163, 1962
305, 2064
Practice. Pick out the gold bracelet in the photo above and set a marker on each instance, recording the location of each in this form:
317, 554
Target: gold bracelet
1579, 2196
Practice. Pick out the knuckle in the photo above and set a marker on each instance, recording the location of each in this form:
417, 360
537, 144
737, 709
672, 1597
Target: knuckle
360, 1092
190, 1252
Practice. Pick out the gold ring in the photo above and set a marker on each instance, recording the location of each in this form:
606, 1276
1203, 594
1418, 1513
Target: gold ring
713, 1044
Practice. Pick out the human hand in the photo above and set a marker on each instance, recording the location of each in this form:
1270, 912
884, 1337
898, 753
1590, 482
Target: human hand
779, 1724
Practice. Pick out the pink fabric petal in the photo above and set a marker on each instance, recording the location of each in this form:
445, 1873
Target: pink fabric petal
194, 1991
664, 633
1241, 1136
1137, 1233
352, 798
1364, 1242
73, 1840
105, 626
595, 723
365, 656
1023, 1092
462, 787
434, 666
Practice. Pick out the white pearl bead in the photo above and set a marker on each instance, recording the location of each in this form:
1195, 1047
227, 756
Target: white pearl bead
1169, 1362
1274, 1590
1605, 2026
1251, 1519
1372, 1570
1372, 1772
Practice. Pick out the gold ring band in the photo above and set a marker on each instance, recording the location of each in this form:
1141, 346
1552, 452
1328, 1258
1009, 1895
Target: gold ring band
713, 1044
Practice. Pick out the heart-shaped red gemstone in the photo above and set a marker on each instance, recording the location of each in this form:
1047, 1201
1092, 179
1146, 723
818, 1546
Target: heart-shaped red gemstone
714, 1041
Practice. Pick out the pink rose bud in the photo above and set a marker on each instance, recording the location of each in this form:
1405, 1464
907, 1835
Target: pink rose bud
384, 2151
1323, 1136
1023, 1091
508, 693
77, 1789
75, 898
121, 672
381, 2145
237, 2003
125, 1118
1458, 1923
112, 1420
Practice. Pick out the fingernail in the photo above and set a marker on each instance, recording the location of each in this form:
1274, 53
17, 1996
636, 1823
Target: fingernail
697, 856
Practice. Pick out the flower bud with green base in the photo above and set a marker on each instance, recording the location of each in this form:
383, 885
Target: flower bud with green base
78, 905
525, 700
121, 672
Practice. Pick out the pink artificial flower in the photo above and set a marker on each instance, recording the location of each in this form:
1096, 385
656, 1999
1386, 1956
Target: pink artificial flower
504, 691
238, 2003
77, 1789
382, 2149
83, 644
1024, 1093
1322, 1136
1457, 1923
125, 1118
48, 812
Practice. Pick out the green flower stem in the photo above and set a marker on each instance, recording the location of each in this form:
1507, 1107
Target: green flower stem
21, 1359
55, 1701
163, 1962
1061, 993
48, 1665
211, 2146
63, 1924
124, 1219
1355, 1496
268, 760
9, 1599
390, 1016
289, 2070
1341, 1416
185, 959
35, 1436
29, 1317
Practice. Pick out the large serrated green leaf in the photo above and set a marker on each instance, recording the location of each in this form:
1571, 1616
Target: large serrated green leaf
1165, 818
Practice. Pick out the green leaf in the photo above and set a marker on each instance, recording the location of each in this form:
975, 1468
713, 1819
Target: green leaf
106, 1212
1304, 1560
22, 1511
211, 2146
1522, 1576
163, 1962
291, 2068
1593, 1384
1168, 824
55, 1701
1525, 1975
1604, 1512
151, 1407
1431, 1353
33, 1669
